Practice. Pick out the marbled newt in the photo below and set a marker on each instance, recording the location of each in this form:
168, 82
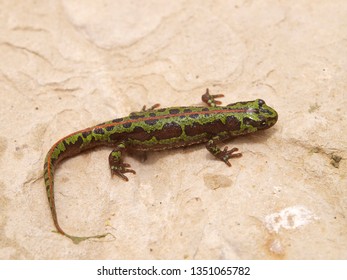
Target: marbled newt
160, 129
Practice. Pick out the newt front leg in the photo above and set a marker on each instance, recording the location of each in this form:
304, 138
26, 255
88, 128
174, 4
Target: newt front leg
225, 154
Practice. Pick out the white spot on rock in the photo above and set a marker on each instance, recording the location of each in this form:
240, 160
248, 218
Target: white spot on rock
289, 218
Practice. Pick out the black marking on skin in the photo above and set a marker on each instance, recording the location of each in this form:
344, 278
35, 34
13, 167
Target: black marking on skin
109, 128
233, 123
211, 128
152, 114
98, 130
169, 130
266, 111
187, 110
194, 116
151, 121
117, 136
70, 149
248, 121
127, 125
174, 111
205, 109
135, 117
85, 134
117, 120
139, 133
161, 110
53, 161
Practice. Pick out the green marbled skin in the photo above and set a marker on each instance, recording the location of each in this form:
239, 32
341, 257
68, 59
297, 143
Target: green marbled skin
160, 129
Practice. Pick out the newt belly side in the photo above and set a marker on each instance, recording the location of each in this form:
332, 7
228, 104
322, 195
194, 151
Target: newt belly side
160, 129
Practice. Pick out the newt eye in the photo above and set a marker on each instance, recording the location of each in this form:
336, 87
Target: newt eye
261, 102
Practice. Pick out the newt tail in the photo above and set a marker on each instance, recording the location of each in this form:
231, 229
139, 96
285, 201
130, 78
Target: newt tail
58, 152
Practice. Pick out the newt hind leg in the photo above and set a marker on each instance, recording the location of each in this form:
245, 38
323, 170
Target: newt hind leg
117, 166
210, 99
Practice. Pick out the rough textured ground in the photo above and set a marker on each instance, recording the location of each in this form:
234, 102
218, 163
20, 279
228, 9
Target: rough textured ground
66, 65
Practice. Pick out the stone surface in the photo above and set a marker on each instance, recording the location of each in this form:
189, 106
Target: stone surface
66, 65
